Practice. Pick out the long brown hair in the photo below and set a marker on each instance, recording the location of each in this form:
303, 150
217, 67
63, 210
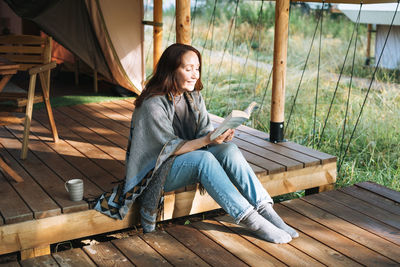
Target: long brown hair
163, 81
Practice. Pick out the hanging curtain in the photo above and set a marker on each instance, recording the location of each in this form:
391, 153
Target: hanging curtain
120, 33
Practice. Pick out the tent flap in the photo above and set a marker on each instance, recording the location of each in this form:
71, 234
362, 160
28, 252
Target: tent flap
108, 37
120, 32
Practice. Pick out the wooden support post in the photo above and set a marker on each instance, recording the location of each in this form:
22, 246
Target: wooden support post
157, 32
368, 56
322, 188
183, 22
279, 70
95, 82
76, 70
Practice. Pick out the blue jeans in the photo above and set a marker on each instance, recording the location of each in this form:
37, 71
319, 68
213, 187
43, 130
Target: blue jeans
220, 168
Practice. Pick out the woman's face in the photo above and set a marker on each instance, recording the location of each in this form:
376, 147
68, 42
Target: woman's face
188, 72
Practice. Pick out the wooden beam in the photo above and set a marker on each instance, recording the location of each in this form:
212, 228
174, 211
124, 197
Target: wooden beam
42, 232
279, 70
191, 202
35, 252
42, 68
10, 172
321, 177
157, 32
350, 1
183, 22
28, 115
44, 78
6, 77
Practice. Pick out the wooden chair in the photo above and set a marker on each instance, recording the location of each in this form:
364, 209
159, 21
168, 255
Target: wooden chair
32, 54
6, 169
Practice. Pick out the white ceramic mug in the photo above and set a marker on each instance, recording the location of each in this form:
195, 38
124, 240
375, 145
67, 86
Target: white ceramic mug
75, 189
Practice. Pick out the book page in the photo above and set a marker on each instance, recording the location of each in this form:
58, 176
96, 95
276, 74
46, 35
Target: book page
235, 119
250, 108
232, 123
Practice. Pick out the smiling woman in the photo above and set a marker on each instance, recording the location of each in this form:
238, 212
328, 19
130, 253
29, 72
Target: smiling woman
177, 60
188, 72
172, 148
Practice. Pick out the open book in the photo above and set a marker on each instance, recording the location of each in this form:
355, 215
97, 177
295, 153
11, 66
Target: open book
235, 119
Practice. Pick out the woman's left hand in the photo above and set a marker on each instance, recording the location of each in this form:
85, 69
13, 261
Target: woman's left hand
205, 140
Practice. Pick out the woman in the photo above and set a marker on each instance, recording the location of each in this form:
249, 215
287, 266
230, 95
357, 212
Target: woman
170, 147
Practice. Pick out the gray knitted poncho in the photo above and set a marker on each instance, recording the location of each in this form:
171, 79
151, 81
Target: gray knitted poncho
152, 143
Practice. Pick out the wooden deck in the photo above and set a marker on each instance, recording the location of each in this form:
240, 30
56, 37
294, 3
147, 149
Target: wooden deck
353, 226
36, 213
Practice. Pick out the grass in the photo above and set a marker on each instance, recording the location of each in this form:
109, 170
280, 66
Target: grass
239, 75
70, 100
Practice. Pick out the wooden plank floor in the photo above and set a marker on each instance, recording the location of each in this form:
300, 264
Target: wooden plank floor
92, 145
353, 226
93, 139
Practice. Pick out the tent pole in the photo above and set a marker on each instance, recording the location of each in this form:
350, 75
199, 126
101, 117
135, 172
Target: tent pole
157, 31
368, 55
279, 70
76, 70
95, 81
183, 22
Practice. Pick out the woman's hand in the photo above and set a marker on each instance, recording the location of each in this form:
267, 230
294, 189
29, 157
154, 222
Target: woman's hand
203, 141
230, 136
226, 136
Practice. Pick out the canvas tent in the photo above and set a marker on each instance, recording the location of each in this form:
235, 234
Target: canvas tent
109, 38
381, 15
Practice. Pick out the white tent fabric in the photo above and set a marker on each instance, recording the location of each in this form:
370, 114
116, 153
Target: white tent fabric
372, 13
382, 15
120, 32
391, 55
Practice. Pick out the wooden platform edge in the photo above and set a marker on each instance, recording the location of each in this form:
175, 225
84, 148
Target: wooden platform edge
192, 202
43, 232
